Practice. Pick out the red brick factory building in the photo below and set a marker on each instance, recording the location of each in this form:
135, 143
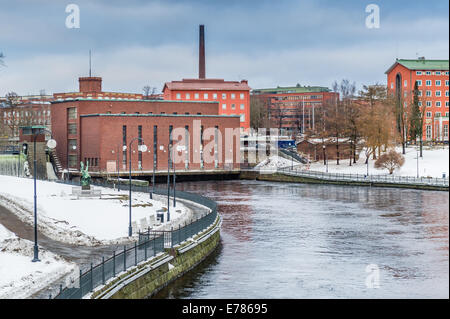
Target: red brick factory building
94, 126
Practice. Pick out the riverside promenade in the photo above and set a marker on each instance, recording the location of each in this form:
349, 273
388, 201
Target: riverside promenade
297, 175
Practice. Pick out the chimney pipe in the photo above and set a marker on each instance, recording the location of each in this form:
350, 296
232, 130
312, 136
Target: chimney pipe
201, 56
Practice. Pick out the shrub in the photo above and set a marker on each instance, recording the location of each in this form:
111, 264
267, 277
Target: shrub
390, 161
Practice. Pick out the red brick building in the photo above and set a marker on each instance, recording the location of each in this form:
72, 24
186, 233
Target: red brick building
93, 126
27, 112
432, 77
293, 109
233, 97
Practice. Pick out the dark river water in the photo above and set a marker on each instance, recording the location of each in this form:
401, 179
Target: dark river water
315, 241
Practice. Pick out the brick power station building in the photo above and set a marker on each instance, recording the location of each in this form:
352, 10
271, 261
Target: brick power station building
432, 77
233, 97
95, 126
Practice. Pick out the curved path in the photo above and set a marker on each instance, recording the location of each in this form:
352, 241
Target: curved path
80, 255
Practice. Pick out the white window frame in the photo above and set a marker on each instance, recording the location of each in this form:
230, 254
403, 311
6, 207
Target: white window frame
196, 96
215, 96
224, 106
242, 96
178, 96
233, 96
428, 82
438, 103
437, 93
418, 72
419, 82
188, 96
242, 106
205, 96
224, 96
437, 82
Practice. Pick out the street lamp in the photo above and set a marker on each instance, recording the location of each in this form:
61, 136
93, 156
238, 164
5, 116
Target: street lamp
141, 148
124, 148
417, 153
174, 178
51, 143
168, 182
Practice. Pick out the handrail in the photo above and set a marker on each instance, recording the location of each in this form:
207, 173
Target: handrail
142, 251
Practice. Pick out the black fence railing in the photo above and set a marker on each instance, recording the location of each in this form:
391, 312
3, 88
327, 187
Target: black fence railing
150, 243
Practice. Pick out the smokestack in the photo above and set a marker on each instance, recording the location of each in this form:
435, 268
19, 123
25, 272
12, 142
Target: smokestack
201, 55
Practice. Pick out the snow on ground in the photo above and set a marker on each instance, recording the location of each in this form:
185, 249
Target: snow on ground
274, 162
85, 221
434, 163
19, 277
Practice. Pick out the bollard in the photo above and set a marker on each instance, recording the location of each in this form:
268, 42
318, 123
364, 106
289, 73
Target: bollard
135, 254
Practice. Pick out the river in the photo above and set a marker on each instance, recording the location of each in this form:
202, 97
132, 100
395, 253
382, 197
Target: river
316, 241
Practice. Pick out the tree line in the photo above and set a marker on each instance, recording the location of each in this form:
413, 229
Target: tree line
369, 121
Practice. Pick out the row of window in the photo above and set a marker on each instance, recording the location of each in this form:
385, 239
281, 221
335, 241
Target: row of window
430, 93
214, 96
436, 103
26, 113
437, 114
428, 82
430, 73
233, 106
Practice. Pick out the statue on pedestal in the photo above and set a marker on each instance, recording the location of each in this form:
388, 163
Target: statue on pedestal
85, 177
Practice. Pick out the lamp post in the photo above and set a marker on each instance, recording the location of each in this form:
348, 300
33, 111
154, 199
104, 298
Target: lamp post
18, 167
153, 177
124, 148
142, 148
417, 153
168, 182
50, 144
174, 178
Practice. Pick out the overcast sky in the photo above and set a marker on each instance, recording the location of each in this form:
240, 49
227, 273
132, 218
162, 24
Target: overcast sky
269, 43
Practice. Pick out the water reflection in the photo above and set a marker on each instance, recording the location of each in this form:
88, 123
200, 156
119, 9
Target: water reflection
315, 241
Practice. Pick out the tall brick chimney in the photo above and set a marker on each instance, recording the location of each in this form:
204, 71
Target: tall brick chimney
201, 56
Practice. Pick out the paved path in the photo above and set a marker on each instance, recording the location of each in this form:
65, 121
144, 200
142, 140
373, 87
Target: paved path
81, 255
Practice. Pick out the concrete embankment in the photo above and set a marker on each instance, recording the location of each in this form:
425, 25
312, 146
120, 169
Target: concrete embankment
278, 177
148, 278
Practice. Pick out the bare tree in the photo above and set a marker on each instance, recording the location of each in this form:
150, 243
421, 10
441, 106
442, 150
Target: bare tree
259, 112
347, 91
149, 91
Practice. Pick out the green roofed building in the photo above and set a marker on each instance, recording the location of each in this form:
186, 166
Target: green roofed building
432, 78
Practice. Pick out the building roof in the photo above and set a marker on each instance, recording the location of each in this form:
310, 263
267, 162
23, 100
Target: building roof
421, 64
292, 89
206, 84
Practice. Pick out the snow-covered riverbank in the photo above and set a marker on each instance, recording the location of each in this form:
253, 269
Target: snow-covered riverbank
434, 163
19, 277
88, 221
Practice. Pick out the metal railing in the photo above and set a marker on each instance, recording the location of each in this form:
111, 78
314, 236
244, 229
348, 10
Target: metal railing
341, 177
149, 245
